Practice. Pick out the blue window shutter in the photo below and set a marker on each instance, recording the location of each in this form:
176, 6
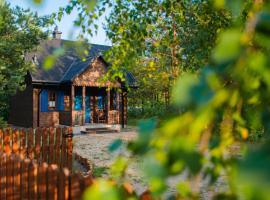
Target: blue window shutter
87, 109
60, 100
44, 101
78, 103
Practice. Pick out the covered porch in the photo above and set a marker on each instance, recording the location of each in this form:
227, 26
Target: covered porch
89, 105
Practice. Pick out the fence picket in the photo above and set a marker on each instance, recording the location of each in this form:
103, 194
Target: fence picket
38, 144
15, 144
7, 140
23, 147
1, 139
44, 144
30, 143
32, 177
3, 176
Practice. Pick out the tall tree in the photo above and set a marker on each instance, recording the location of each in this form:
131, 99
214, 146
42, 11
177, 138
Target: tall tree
20, 31
156, 40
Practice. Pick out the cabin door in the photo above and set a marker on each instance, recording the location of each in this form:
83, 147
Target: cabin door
87, 110
99, 111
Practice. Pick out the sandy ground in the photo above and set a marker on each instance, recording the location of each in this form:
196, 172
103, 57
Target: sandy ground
95, 149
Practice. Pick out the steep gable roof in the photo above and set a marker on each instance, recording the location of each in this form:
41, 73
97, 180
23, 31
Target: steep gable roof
66, 66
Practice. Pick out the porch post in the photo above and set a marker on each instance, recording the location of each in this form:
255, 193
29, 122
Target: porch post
108, 104
118, 106
83, 105
72, 104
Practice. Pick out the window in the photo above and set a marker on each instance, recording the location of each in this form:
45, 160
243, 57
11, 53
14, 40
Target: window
66, 102
52, 100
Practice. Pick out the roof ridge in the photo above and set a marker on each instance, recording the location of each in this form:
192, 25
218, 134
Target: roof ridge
67, 71
66, 40
73, 63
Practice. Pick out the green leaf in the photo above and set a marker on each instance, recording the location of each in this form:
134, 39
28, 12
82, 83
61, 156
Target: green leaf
101, 190
116, 144
49, 62
182, 91
228, 46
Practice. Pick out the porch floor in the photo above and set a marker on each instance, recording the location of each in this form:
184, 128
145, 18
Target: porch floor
78, 129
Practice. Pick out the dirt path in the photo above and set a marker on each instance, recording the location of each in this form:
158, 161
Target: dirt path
95, 149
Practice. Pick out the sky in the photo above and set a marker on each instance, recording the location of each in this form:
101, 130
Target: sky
66, 24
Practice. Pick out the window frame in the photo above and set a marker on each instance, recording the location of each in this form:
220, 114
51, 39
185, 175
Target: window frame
50, 108
65, 104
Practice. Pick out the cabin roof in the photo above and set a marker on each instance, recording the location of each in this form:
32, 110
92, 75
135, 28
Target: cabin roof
68, 65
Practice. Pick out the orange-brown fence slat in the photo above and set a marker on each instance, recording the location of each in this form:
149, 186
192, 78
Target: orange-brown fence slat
15, 141
1, 139
58, 146
69, 149
32, 180
9, 174
45, 144
3, 176
23, 147
38, 134
24, 179
51, 146
17, 177
52, 182
7, 140
30, 143
75, 189
64, 149
42, 181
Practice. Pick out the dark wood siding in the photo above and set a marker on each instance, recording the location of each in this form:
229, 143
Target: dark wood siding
21, 108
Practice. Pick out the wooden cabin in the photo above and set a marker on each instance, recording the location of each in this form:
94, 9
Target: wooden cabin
70, 93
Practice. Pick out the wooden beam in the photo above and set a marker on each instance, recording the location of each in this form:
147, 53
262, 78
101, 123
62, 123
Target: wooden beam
83, 105
108, 104
122, 110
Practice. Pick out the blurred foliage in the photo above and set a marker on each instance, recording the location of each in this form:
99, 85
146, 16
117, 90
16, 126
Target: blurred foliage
222, 105
20, 32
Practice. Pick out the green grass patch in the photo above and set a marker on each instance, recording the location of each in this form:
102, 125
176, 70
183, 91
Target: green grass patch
99, 171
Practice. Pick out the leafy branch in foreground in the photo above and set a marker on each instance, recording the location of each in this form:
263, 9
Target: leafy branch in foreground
225, 102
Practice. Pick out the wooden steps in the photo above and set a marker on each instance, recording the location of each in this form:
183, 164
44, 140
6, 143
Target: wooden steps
98, 130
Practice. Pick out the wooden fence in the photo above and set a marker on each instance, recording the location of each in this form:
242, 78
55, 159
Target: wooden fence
37, 164
50, 145
26, 179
